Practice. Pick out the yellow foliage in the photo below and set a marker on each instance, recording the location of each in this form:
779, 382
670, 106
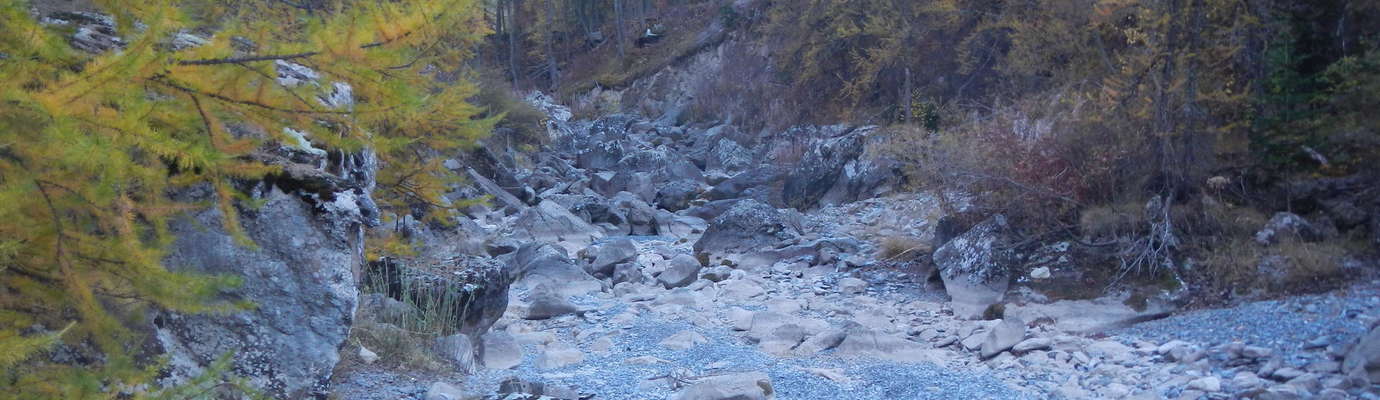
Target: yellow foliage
92, 144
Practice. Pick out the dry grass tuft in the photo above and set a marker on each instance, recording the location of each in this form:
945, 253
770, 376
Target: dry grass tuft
1112, 220
902, 248
1291, 266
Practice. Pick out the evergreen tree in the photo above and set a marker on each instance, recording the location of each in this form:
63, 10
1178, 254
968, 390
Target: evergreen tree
92, 144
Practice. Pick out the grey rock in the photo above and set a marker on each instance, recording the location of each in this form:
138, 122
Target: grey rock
444, 391
746, 227
550, 222
641, 217
852, 286
459, 350
822, 341
299, 277
683, 270
1209, 384
762, 184
627, 272
500, 351
473, 290
976, 268
1003, 337
717, 273
607, 255
728, 155
1033, 344
547, 304
742, 386
1287, 225
559, 354
676, 196
1364, 356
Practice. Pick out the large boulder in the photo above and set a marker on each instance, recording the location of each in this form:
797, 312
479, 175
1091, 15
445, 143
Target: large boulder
676, 196
1364, 357
728, 155
550, 222
683, 270
818, 170
1288, 226
748, 227
641, 217
763, 184
472, 290
299, 277
607, 255
976, 267
540, 264
601, 155
679, 226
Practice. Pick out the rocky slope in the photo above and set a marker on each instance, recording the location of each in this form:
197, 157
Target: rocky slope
651, 261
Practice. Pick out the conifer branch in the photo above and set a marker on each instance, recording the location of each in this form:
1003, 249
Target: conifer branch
165, 82
278, 57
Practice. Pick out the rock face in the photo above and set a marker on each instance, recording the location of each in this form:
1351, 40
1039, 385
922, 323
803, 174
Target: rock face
975, 268
300, 278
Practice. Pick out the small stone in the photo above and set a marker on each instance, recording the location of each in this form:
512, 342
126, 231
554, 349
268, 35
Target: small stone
1209, 384
444, 391
684, 340
1040, 273
852, 286
1256, 352
645, 360
832, 374
1286, 373
1246, 380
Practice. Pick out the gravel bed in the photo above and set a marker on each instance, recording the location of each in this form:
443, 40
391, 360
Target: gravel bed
610, 378
1285, 325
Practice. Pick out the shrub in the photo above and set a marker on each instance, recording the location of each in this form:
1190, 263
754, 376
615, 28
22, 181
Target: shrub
522, 123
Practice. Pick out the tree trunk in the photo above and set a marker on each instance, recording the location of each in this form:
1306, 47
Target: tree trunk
551, 69
906, 102
512, 41
618, 11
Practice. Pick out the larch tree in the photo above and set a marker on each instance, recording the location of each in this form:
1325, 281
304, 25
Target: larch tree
91, 145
